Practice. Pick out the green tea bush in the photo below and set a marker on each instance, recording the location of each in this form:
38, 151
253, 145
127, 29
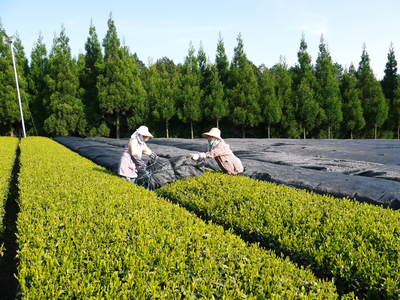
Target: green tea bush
85, 233
356, 244
8, 147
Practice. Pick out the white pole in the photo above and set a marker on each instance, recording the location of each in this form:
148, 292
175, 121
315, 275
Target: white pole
16, 81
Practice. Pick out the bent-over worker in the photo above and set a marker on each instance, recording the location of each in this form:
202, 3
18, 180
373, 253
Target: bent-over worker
131, 160
221, 152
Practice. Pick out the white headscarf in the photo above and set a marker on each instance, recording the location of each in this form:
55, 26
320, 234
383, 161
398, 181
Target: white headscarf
212, 143
138, 136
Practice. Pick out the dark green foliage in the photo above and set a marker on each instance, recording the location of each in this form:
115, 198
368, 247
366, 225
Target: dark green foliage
389, 82
389, 86
395, 111
161, 93
308, 110
38, 70
373, 101
307, 98
120, 90
244, 91
352, 108
271, 106
190, 91
66, 110
89, 74
202, 60
215, 104
23, 70
137, 93
10, 118
286, 98
222, 63
328, 92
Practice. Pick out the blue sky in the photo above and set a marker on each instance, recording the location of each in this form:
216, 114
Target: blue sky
269, 28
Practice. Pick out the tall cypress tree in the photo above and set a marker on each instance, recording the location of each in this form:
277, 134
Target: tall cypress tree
328, 92
285, 96
395, 111
215, 104
120, 90
93, 64
222, 63
308, 111
23, 72
161, 94
112, 102
244, 92
136, 92
10, 118
205, 77
202, 60
373, 101
37, 84
270, 104
389, 86
308, 108
189, 110
352, 109
389, 82
65, 107
20, 58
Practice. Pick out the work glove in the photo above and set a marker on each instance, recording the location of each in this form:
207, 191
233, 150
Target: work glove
195, 156
153, 156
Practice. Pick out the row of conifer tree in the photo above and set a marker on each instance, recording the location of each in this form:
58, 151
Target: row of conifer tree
109, 91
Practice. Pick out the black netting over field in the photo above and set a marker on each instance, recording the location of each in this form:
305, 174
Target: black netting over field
368, 170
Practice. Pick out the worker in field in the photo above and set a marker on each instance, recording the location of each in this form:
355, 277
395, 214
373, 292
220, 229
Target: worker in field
131, 160
221, 152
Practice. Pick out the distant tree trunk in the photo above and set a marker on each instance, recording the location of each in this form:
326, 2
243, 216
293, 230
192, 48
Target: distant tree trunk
329, 132
351, 134
117, 125
375, 131
304, 133
217, 123
269, 130
166, 128
191, 129
243, 132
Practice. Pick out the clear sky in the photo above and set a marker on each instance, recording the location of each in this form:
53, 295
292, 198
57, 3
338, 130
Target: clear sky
269, 28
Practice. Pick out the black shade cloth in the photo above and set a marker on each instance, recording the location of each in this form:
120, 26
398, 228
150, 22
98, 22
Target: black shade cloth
367, 170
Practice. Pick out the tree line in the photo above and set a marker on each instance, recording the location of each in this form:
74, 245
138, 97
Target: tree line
108, 91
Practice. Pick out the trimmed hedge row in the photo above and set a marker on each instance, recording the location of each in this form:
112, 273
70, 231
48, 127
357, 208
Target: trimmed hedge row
8, 147
355, 243
85, 233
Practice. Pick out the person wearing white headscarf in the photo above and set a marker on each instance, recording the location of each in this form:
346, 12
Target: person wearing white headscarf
221, 152
131, 160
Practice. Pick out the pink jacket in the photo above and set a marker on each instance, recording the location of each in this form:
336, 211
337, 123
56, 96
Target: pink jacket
127, 167
225, 158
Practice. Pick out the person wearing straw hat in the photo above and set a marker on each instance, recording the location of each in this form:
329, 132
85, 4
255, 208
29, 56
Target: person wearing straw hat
131, 160
221, 152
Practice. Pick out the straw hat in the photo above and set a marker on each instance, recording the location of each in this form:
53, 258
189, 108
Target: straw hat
143, 130
214, 132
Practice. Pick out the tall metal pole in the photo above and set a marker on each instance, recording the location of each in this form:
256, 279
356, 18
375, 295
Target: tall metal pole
10, 41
